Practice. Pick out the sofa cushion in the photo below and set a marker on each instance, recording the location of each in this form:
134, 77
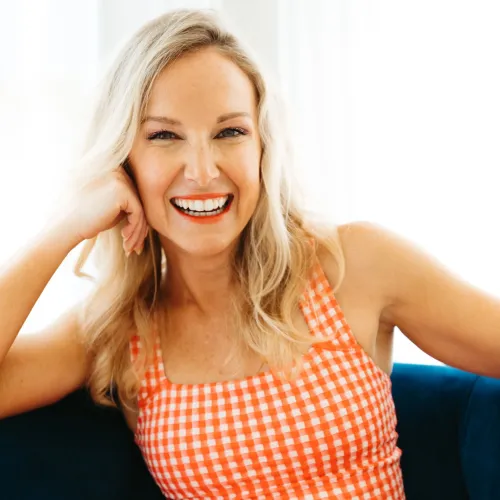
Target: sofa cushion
480, 443
431, 402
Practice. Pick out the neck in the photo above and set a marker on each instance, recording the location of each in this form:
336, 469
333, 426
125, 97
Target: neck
201, 284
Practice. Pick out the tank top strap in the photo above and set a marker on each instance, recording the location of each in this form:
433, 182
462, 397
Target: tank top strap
323, 313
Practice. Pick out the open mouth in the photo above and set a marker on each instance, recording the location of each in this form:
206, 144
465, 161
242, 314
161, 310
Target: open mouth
209, 207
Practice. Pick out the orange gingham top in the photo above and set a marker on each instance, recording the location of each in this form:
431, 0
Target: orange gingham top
328, 434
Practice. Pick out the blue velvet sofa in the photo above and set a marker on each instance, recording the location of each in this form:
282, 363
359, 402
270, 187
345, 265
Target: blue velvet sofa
449, 428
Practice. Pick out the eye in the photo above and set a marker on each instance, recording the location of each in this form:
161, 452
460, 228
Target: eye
228, 133
162, 135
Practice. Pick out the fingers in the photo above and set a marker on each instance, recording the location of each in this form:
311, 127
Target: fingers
135, 242
138, 243
137, 227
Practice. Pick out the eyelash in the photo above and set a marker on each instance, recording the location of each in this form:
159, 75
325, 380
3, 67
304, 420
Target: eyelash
156, 135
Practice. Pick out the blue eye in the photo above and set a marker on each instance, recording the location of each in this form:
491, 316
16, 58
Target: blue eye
162, 135
228, 133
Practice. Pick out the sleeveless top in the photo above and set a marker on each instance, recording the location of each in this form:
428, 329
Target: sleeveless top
330, 433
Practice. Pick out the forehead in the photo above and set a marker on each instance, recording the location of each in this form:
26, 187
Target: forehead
205, 81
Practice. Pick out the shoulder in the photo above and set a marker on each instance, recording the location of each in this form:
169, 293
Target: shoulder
360, 242
447, 317
368, 251
353, 236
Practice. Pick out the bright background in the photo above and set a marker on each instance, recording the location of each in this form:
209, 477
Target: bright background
396, 107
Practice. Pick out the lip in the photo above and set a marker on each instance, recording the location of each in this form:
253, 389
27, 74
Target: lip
205, 196
211, 219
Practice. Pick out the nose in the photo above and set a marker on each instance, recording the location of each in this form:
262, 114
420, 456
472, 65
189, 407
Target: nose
201, 166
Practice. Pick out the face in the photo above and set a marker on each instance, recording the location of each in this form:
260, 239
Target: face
196, 156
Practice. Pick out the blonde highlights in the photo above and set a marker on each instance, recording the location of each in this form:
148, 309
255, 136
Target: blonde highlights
277, 249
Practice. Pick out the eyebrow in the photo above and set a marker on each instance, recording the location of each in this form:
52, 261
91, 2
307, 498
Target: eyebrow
172, 121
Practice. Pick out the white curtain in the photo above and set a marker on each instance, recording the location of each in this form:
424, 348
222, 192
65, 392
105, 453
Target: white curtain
48, 53
395, 109
398, 108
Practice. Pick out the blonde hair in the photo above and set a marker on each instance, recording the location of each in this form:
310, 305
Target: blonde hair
277, 248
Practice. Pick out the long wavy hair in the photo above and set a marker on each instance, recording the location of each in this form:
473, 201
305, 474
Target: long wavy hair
277, 248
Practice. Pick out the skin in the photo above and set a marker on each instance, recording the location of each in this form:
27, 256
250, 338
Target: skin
199, 154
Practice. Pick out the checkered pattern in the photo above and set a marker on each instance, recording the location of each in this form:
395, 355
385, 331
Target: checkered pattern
328, 434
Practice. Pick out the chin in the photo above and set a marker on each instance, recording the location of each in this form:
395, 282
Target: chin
207, 246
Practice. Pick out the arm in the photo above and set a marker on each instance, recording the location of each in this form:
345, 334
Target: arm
23, 281
442, 314
36, 369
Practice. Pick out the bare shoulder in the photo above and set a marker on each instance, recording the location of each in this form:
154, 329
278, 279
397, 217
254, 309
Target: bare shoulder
447, 317
364, 247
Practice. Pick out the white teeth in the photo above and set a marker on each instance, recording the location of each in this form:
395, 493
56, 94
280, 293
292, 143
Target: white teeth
201, 205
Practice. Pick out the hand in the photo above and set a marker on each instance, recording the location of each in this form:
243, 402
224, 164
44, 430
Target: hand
104, 203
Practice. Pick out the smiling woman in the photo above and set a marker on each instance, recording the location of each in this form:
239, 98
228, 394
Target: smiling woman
210, 150
247, 344
234, 293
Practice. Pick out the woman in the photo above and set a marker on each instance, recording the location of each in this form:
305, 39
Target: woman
248, 347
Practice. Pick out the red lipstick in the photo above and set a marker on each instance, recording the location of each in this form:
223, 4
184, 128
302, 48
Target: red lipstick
204, 219
205, 196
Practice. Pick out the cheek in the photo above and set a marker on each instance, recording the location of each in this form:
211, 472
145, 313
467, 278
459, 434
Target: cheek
249, 187
246, 169
252, 178
253, 175
153, 181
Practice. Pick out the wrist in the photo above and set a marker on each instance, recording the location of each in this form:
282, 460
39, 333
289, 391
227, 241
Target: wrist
61, 235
